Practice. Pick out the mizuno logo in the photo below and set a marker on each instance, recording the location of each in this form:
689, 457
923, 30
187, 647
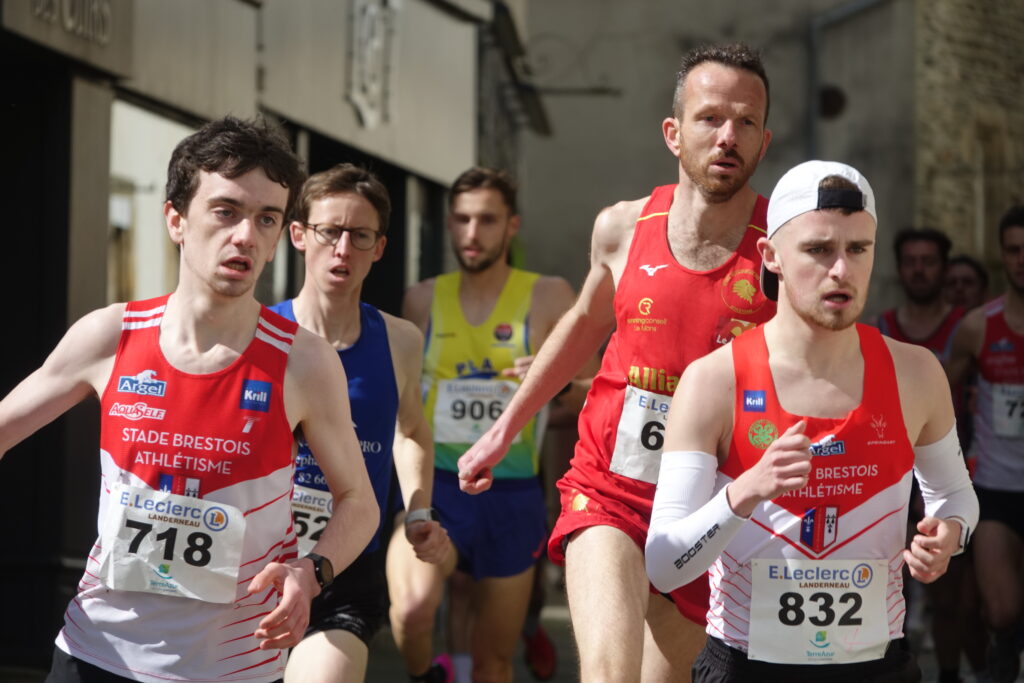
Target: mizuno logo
651, 270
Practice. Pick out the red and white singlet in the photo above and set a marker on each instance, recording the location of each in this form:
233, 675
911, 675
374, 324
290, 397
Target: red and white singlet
998, 442
938, 342
667, 316
815, 575
195, 500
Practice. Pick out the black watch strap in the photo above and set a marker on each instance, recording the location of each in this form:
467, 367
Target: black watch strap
322, 569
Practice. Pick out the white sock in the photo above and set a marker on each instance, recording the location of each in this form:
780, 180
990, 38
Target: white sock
462, 663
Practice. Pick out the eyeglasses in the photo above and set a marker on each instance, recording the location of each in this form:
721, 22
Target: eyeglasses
360, 238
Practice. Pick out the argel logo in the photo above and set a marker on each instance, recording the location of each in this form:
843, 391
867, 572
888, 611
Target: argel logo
144, 384
754, 401
255, 395
829, 446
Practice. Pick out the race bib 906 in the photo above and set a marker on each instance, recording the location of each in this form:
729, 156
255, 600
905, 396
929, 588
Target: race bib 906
466, 408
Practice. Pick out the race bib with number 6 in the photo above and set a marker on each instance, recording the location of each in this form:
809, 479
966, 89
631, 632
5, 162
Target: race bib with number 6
818, 611
641, 435
160, 542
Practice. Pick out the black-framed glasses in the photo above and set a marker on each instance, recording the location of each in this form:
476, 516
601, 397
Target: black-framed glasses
329, 235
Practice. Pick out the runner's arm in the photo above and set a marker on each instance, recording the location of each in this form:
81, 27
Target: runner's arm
694, 516
80, 365
965, 347
951, 506
574, 340
552, 298
313, 403
414, 447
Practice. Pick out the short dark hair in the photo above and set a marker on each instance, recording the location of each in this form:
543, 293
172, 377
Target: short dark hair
341, 179
974, 264
232, 147
1013, 218
483, 178
736, 55
936, 237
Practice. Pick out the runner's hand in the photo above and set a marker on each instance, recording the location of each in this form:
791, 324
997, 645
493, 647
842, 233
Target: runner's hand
475, 475
429, 540
286, 624
519, 367
785, 466
928, 556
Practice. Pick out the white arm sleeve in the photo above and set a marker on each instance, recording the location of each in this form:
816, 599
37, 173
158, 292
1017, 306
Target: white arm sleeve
945, 484
690, 524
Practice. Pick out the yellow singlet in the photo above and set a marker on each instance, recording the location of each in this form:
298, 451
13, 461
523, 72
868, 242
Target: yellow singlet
464, 392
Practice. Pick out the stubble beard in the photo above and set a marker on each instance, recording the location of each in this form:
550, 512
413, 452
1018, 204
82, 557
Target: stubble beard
716, 190
829, 320
483, 262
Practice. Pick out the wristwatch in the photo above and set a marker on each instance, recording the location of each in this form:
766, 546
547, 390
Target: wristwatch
422, 515
322, 569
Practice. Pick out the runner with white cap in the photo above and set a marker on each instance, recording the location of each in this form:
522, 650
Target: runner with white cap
789, 457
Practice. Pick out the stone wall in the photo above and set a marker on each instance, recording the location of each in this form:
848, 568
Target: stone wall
969, 119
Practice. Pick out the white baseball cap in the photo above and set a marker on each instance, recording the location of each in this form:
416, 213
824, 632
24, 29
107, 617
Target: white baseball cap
798, 192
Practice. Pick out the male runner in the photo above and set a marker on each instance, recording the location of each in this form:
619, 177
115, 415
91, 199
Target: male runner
966, 282
194, 574
674, 275
924, 318
340, 226
789, 457
483, 323
991, 340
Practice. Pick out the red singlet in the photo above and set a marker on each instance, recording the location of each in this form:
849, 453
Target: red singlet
667, 316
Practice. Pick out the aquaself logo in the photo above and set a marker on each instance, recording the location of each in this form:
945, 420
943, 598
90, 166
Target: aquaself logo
762, 433
255, 395
754, 401
144, 384
136, 411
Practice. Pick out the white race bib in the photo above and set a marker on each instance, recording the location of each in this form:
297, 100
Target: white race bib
818, 611
160, 542
641, 435
311, 510
466, 408
1008, 410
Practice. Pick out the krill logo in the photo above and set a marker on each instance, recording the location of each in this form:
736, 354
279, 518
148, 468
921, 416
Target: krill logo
255, 395
754, 401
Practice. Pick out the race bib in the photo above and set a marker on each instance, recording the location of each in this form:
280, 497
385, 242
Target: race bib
466, 408
641, 435
311, 510
1008, 410
818, 611
160, 542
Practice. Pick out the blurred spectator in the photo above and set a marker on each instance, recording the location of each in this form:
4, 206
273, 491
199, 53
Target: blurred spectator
966, 282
